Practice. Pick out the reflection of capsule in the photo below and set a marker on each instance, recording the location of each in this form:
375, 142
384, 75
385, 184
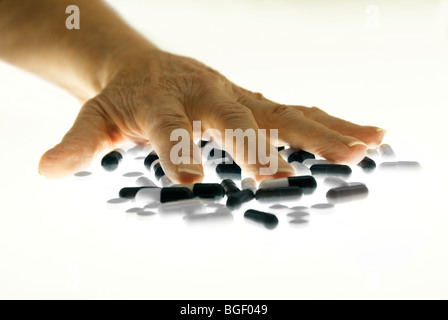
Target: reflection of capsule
111, 160
367, 164
331, 170
269, 220
347, 193
400, 166
278, 194
306, 183
386, 151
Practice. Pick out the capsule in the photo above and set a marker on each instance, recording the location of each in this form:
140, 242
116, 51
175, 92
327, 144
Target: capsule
188, 205
216, 153
111, 160
278, 194
400, 166
372, 153
292, 155
236, 199
163, 194
269, 220
229, 171
130, 192
249, 184
300, 169
367, 164
205, 190
334, 182
347, 193
229, 187
203, 143
150, 158
144, 182
331, 170
158, 171
280, 148
386, 151
306, 183
311, 162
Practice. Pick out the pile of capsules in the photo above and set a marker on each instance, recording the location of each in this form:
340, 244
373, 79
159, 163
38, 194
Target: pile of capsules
226, 196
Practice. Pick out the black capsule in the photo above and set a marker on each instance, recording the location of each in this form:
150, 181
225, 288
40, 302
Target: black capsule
331, 170
236, 199
202, 143
367, 164
150, 159
300, 156
175, 194
229, 171
280, 148
208, 190
348, 193
158, 171
111, 160
278, 194
269, 220
306, 183
130, 192
216, 153
229, 187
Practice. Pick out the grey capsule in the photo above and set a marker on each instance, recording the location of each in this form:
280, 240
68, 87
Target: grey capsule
347, 193
386, 151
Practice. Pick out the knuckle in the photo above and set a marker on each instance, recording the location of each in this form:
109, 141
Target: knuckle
229, 112
281, 112
166, 122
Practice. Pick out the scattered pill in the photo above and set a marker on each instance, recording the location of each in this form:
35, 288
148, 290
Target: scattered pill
158, 171
278, 194
82, 174
306, 183
163, 194
229, 187
150, 158
386, 151
292, 155
372, 153
249, 184
269, 220
280, 148
132, 174
347, 193
310, 162
205, 190
334, 182
111, 160
203, 143
216, 153
331, 170
229, 171
300, 169
165, 182
236, 199
130, 192
144, 182
367, 164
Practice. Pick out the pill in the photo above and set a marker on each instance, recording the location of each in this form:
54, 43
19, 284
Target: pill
150, 158
236, 199
165, 182
228, 171
309, 162
249, 184
111, 160
280, 148
298, 214
229, 186
158, 171
322, 206
130, 192
334, 182
386, 151
269, 220
216, 153
306, 183
278, 194
132, 174
292, 155
400, 165
367, 164
144, 182
82, 174
372, 153
182, 206
163, 194
300, 169
203, 143
205, 190
347, 193
331, 170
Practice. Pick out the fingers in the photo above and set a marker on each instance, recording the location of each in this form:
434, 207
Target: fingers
90, 135
302, 133
372, 136
170, 133
235, 127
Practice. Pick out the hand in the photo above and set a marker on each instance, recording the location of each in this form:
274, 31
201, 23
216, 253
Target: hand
149, 94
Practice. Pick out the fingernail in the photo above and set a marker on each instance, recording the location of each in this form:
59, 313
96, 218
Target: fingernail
190, 171
381, 130
354, 143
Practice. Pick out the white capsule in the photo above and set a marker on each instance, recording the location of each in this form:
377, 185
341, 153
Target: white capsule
186, 206
285, 153
274, 183
309, 162
250, 184
300, 169
144, 182
334, 182
165, 182
148, 195
372, 153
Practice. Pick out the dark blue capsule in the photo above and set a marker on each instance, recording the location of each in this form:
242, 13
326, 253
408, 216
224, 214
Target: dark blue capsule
331, 170
229, 171
236, 199
278, 194
150, 159
208, 190
347, 193
130, 192
111, 160
367, 164
269, 220
300, 156
229, 187
158, 171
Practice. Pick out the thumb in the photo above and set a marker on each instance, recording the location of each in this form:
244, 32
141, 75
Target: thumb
89, 135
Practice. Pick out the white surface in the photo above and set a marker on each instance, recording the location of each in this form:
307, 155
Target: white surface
59, 239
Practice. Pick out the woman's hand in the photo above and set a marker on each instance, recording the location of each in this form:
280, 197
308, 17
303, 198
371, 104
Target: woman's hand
150, 93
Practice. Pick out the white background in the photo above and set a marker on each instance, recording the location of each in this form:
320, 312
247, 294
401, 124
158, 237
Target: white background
59, 239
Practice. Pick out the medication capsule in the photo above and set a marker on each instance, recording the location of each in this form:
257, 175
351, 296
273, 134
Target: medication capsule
144, 182
236, 199
300, 169
367, 164
292, 155
269, 220
205, 190
280, 148
372, 153
130, 192
306, 183
150, 158
203, 143
229, 187
386, 151
249, 184
228, 171
216, 153
158, 171
165, 182
347, 193
310, 162
278, 194
111, 160
163, 194
400, 165
331, 170
334, 182
188, 206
